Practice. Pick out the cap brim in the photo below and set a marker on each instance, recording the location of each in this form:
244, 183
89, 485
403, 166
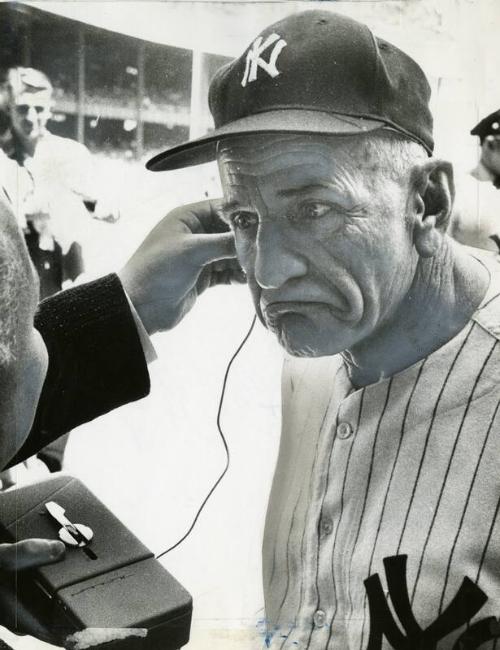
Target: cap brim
204, 149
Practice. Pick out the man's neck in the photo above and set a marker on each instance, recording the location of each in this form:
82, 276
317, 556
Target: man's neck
25, 147
29, 147
446, 291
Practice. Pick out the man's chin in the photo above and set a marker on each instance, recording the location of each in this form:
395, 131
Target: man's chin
29, 136
305, 339
303, 353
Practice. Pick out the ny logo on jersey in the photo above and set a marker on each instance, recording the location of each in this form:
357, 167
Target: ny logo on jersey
462, 608
255, 60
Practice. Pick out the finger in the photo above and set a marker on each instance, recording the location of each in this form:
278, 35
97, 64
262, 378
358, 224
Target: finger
211, 218
216, 274
231, 264
219, 223
238, 277
204, 249
227, 272
30, 553
229, 276
199, 218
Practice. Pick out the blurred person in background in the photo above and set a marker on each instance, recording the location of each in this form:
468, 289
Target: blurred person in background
53, 209
476, 219
65, 190
488, 168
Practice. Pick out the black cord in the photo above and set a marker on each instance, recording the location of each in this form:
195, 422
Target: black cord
224, 442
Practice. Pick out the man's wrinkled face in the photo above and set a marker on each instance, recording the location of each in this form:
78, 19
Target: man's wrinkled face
30, 112
321, 233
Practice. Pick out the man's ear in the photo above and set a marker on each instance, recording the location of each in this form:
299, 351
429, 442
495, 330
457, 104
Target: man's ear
434, 195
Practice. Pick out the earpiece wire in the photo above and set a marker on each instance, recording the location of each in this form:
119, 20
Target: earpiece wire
224, 442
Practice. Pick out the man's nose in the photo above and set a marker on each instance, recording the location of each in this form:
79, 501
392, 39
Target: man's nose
276, 260
31, 115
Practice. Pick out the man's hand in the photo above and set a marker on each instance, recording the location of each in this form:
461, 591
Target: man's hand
16, 557
188, 251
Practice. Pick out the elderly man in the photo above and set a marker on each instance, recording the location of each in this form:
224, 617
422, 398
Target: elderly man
390, 440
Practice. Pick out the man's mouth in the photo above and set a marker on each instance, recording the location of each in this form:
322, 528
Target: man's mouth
274, 311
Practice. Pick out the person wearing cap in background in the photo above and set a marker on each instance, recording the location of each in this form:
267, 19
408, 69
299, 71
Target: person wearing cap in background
65, 189
59, 191
388, 465
488, 131
476, 218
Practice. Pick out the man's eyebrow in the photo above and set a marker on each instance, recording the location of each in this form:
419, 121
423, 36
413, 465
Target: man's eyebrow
310, 187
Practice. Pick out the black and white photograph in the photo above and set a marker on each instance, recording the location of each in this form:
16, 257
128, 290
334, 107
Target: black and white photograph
250, 325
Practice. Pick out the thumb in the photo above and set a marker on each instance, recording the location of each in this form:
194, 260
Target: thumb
30, 553
204, 249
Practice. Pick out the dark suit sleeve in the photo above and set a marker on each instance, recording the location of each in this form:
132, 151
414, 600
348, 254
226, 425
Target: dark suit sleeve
96, 361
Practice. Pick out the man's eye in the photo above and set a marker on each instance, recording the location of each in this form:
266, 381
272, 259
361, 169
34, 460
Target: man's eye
244, 220
313, 210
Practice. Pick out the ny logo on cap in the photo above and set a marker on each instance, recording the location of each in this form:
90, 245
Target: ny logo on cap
254, 58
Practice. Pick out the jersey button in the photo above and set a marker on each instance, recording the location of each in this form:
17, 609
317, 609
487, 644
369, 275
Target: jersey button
319, 618
344, 430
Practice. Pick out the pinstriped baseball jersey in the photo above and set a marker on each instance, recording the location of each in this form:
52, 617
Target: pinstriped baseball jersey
409, 465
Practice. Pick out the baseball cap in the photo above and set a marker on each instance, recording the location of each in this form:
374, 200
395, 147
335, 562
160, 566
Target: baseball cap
490, 125
312, 72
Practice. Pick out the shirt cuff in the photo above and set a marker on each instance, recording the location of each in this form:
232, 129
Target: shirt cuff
147, 347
